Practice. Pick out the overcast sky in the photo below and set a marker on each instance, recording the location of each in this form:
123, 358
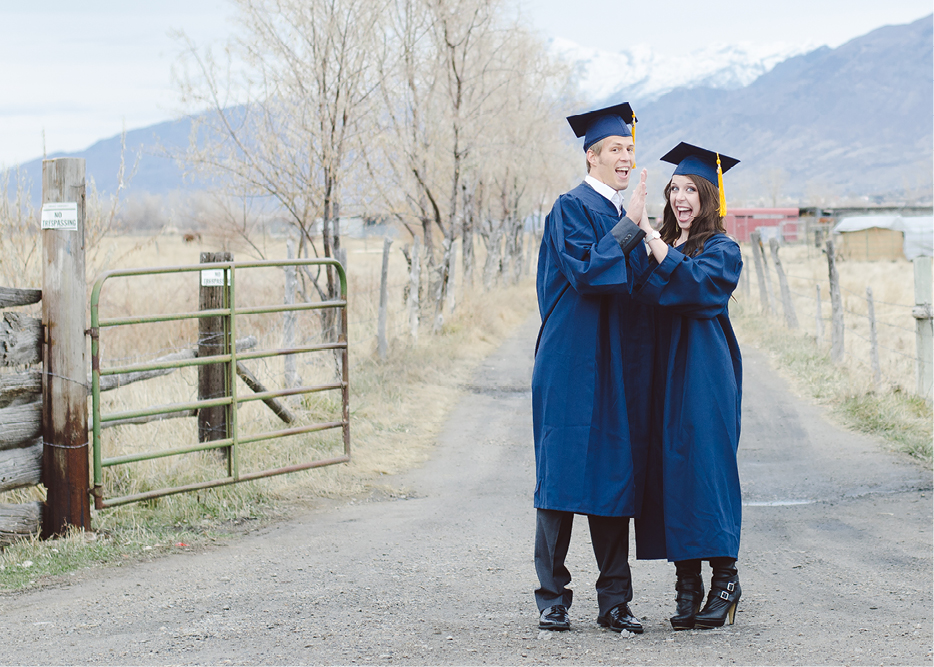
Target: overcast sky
80, 71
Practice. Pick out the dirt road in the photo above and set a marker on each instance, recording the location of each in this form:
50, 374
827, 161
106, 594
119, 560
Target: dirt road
836, 563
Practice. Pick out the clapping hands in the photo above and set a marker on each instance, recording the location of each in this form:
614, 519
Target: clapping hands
636, 210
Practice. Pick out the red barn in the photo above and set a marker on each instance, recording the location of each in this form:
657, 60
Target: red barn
741, 222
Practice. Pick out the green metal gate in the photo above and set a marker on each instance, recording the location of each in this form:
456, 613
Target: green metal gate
230, 312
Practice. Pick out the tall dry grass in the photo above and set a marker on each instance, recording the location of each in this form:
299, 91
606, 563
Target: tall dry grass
891, 410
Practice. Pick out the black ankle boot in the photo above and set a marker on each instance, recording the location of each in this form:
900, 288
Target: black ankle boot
724, 595
690, 589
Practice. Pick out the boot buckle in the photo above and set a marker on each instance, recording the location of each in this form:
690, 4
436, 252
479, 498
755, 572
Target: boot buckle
731, 586
724, 595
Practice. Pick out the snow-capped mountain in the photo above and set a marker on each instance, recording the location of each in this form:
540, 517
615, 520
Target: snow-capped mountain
640, 75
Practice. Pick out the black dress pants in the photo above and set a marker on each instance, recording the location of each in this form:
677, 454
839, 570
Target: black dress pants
610, 538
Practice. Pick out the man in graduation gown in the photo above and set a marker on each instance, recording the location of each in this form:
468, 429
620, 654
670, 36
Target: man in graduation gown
592, 377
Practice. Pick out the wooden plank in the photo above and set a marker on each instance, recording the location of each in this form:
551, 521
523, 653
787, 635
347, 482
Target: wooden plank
20, 388
14, 296
109, 382
19, 521
20, 424
21, 466
272, 403
20, 339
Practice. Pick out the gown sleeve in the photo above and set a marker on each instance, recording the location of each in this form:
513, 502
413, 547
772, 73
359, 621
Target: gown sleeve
698, 287
592, 265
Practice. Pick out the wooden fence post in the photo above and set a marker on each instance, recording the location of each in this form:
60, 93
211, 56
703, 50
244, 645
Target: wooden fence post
288, 320
819, 324
773, 308
452, 272
413, 290
756, 241
382, 345
836, 307
212, 340
873, 341
744, 279
65, 467
924, 330
788, 307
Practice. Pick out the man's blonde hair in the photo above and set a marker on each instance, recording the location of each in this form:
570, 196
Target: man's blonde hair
597, 148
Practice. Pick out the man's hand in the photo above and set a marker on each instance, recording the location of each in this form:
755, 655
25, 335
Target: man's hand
637, 200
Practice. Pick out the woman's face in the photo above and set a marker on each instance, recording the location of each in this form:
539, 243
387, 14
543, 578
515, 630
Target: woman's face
684, 200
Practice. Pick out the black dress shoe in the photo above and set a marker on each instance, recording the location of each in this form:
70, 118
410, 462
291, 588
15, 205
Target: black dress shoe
554, 618
619, 618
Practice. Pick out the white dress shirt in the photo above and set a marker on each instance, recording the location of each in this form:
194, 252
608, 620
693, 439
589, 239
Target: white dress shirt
615, 196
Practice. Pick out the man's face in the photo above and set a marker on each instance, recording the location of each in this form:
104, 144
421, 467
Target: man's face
613, 164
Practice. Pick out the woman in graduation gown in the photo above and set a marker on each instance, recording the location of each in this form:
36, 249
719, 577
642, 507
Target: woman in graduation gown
689, 273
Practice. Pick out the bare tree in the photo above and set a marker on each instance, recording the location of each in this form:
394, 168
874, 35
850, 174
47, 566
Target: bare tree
287, 105
465, 92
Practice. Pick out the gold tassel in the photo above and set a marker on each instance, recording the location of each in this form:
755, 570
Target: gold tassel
720, 188
633, 168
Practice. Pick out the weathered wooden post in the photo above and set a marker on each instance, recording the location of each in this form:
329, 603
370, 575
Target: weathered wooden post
760, 278
452, 282
836, 307
819, 324
288, 319
413, 290
744, 278
924, 330
873, 341
773, 308
382, 345
65, 465
788, 307
212, 340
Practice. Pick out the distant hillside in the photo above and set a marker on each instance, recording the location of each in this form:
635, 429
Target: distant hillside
844, 122
155, 173
855, 120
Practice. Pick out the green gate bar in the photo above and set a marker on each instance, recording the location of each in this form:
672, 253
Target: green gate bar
230, 402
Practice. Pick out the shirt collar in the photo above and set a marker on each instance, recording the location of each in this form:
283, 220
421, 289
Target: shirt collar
615, 197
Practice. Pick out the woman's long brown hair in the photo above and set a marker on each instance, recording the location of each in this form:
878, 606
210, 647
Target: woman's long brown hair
707, 223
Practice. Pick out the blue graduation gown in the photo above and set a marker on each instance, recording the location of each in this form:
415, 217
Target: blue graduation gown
591, 430
693, 496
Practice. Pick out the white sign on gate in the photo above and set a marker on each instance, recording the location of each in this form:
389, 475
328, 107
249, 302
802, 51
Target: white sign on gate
62, 215
212, 278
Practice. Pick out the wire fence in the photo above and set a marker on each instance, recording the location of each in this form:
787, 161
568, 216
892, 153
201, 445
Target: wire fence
878, 332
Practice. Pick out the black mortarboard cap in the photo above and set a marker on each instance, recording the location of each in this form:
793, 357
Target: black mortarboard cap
697, 161
603, 123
